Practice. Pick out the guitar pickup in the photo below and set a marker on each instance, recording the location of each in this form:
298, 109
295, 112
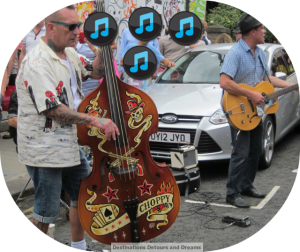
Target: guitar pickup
243, 107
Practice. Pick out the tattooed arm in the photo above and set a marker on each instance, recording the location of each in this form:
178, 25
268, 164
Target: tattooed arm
63, 114
98, 66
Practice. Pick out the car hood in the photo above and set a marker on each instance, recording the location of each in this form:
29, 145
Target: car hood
186, 99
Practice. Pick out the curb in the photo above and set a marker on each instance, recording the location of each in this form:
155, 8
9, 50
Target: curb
26, 193
20, 184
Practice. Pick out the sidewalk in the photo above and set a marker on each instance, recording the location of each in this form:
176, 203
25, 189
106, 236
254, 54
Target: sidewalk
15, 173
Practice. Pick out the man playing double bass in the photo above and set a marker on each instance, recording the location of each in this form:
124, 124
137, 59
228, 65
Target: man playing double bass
49, 91
242, 65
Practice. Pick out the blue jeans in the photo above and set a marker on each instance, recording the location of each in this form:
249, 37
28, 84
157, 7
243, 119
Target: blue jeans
247, 149
48, 183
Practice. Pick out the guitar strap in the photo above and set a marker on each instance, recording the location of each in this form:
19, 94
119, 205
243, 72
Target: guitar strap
264, 68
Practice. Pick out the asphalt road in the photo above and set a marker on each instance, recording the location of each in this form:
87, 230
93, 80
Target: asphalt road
198, 222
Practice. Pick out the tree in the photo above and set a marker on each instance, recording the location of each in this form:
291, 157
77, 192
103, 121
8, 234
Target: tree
228, 16
224, 15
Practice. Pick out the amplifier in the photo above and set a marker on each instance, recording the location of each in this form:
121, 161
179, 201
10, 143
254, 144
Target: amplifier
184, 157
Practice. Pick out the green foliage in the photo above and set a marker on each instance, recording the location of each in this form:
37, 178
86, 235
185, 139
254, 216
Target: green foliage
268, 36
228, 16
224, 15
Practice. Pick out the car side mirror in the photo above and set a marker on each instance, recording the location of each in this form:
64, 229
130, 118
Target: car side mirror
281, 75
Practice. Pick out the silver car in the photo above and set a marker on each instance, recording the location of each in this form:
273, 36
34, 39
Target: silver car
188, 99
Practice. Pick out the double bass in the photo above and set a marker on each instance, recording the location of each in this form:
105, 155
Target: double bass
128, 197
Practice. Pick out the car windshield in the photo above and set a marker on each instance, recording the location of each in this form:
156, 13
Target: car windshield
195, 67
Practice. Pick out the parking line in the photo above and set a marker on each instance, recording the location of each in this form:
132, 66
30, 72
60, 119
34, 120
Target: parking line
212, 204
295, 171
267, 198
259, 206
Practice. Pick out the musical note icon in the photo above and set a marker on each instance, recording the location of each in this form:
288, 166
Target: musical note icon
149, 28
190, 32
99, 22
138, 56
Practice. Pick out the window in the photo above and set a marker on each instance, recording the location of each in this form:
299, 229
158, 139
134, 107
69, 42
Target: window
195, 67
278, 64
289, 66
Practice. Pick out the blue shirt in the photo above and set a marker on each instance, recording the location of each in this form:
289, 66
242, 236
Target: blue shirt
127, 38
244, 67
85, 50
90, 84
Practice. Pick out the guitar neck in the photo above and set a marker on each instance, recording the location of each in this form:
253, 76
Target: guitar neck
282, 91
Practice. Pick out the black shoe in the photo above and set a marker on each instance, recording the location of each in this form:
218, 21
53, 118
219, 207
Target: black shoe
253, 193
237, 201
7, 136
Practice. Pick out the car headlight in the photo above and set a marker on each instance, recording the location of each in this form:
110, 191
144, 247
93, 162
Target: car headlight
218, 117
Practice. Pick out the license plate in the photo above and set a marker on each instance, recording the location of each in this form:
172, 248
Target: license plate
171, 137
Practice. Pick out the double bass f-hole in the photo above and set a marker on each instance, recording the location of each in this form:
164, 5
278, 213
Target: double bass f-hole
128, 197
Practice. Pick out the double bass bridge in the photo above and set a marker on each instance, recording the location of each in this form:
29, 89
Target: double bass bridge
118, 171
116, 166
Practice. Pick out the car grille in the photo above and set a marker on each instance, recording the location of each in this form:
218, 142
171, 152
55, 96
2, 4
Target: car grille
206, 144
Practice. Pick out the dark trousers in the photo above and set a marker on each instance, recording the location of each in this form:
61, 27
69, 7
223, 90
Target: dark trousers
247, 149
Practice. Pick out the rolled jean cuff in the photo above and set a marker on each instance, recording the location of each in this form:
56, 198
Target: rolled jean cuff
44, 219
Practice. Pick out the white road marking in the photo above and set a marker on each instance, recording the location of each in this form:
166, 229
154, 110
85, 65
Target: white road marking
259, 206
212, 204
267, 198
295, 171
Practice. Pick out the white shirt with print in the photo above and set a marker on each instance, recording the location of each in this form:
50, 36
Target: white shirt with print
43, 82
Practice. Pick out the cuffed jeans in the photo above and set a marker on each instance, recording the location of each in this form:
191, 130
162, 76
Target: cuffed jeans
48, 183
247, 149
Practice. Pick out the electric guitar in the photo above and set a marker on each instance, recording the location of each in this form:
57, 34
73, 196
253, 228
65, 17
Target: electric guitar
243, 114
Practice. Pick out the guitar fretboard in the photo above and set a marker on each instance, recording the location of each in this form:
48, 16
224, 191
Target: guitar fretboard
282, 91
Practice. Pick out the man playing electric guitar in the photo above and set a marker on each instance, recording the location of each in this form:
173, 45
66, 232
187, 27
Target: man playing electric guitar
242, 65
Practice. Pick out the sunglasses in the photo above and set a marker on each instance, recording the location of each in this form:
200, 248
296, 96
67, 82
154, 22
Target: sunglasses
72, 27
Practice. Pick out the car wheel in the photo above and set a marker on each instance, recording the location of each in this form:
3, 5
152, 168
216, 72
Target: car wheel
268, 143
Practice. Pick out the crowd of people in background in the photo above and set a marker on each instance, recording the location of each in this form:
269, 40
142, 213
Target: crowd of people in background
168, 49
164, 45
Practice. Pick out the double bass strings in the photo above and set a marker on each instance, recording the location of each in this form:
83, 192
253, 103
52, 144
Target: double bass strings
111, 78
118, 150
117, 114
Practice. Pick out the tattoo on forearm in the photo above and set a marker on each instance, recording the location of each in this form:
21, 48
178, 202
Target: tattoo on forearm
63, 114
